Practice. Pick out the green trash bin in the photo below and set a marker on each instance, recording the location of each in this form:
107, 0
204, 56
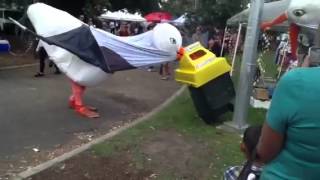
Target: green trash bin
213, 98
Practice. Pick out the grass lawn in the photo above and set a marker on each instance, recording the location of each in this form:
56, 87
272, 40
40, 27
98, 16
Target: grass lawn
211, 152
268, 63
173, 144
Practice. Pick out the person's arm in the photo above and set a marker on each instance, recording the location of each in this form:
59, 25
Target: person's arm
280, 115
270, 144
306, 62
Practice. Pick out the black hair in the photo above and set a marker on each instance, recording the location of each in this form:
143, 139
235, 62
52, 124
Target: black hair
251, 138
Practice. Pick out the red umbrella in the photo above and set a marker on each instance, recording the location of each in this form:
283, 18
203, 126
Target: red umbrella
158, 17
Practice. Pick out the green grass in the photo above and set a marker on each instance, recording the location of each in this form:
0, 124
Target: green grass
268, 63
181, 117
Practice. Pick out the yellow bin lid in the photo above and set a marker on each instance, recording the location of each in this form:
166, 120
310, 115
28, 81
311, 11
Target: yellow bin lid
198, 66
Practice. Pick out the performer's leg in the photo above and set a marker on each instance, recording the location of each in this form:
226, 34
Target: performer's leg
42, 64
167, 69
78, 91
42, 57
75, 101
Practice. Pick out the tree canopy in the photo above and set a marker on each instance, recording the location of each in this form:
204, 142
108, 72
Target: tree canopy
93, 7
144, 6
202, 11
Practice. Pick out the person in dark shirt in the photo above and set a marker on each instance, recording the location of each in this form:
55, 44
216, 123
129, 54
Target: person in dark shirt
214, 45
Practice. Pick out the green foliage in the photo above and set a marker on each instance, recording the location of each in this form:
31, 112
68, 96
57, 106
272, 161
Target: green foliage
215, 12
95, 7
144, 6
178, 7
92, 7
20, 4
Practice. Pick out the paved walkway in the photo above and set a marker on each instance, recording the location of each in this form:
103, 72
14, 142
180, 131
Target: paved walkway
34, 112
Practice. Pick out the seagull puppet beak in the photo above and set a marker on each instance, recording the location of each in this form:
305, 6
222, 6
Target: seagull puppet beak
180, 53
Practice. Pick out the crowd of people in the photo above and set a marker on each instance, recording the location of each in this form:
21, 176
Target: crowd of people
214, 38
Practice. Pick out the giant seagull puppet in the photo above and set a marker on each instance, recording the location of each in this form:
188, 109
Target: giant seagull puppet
300, 14
87, 55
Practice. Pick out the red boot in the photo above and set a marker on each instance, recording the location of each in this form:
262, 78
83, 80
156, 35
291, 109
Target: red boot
72, 105
86, 112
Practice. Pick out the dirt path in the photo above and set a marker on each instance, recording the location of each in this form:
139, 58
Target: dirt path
36, 125
165, 151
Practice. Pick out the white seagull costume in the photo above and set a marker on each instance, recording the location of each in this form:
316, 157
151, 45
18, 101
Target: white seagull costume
87, 54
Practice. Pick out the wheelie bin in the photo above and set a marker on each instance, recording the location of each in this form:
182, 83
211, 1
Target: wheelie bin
209, 82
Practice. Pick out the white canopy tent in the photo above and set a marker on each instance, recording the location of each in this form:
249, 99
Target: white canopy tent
122, 15
270, 11
180, 20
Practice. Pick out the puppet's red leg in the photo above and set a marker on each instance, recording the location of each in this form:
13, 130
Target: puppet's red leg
73, 106
78, 89
294, 32
75, 101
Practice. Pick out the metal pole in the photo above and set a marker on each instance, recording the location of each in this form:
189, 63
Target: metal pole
235, 49
223, 41
317, 43
283, 58
196, 4
248, 65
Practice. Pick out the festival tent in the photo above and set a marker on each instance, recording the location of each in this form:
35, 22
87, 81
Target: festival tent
180, 20
122, 15
270, 11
